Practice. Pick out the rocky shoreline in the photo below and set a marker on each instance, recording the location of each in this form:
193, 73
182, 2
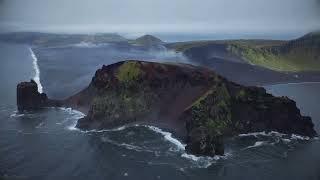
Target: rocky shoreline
193, 102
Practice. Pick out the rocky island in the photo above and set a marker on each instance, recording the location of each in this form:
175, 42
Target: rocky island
194, 103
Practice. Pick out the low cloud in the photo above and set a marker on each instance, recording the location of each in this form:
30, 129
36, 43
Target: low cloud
160, 15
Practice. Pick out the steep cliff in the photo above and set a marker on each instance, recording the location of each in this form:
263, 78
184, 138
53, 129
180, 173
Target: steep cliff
193, 102
28, 97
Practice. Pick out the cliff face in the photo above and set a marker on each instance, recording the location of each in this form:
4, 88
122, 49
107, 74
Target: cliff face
228, 109
142, 91
192, 102
28, 97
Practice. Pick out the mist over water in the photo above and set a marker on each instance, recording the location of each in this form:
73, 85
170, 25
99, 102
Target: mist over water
67, 70
45, 144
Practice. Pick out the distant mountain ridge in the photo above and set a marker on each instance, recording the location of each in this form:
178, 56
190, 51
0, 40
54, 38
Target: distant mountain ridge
49, 39
148, 40
298, 55
301, 54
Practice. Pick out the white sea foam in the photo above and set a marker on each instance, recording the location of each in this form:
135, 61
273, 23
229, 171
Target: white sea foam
168, 137
256, 134
257, 144
40, 125
285, 140
284, 137
36, 77
204, 161
121, 128
125, 145
298, 137
75, 115
199, 161
15, 114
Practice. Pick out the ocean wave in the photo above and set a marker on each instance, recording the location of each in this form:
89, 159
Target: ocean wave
121, 128
298, 137
16, 114
204, 161
273, 138
256, 144
126, 145
36, 77
75, 116
263, 133
40, 125
168, 137
285, 137
199, 161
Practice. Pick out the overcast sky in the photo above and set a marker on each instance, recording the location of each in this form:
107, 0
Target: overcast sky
232, 16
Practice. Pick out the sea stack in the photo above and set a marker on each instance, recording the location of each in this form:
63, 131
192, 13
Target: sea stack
194, 103
28, 97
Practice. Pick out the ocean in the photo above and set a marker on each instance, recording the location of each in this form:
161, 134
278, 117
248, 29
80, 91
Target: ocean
46, 145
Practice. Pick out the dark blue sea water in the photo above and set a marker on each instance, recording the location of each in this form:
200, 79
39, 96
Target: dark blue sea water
44, 145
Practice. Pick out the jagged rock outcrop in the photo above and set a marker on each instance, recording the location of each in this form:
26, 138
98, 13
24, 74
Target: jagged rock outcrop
28, 97
142, 91
193, 102
228, 109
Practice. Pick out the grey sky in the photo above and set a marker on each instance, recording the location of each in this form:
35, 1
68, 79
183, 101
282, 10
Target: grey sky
160, 15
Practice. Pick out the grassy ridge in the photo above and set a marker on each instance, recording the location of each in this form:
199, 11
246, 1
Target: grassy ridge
298, 55
291, 61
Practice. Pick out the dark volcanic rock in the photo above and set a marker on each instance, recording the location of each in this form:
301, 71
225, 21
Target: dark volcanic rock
133, 90
228, 109
193, 102
28, 97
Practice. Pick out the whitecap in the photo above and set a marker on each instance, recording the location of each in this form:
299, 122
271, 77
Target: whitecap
121, 128
263, 133
257, 144
285, 140
276, 136
168, 137
36, 77
298, 137
204, 161
125, 145
199, 161
15, 114
75, 116
40, 125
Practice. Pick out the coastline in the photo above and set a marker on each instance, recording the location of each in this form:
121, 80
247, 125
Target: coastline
292, 83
